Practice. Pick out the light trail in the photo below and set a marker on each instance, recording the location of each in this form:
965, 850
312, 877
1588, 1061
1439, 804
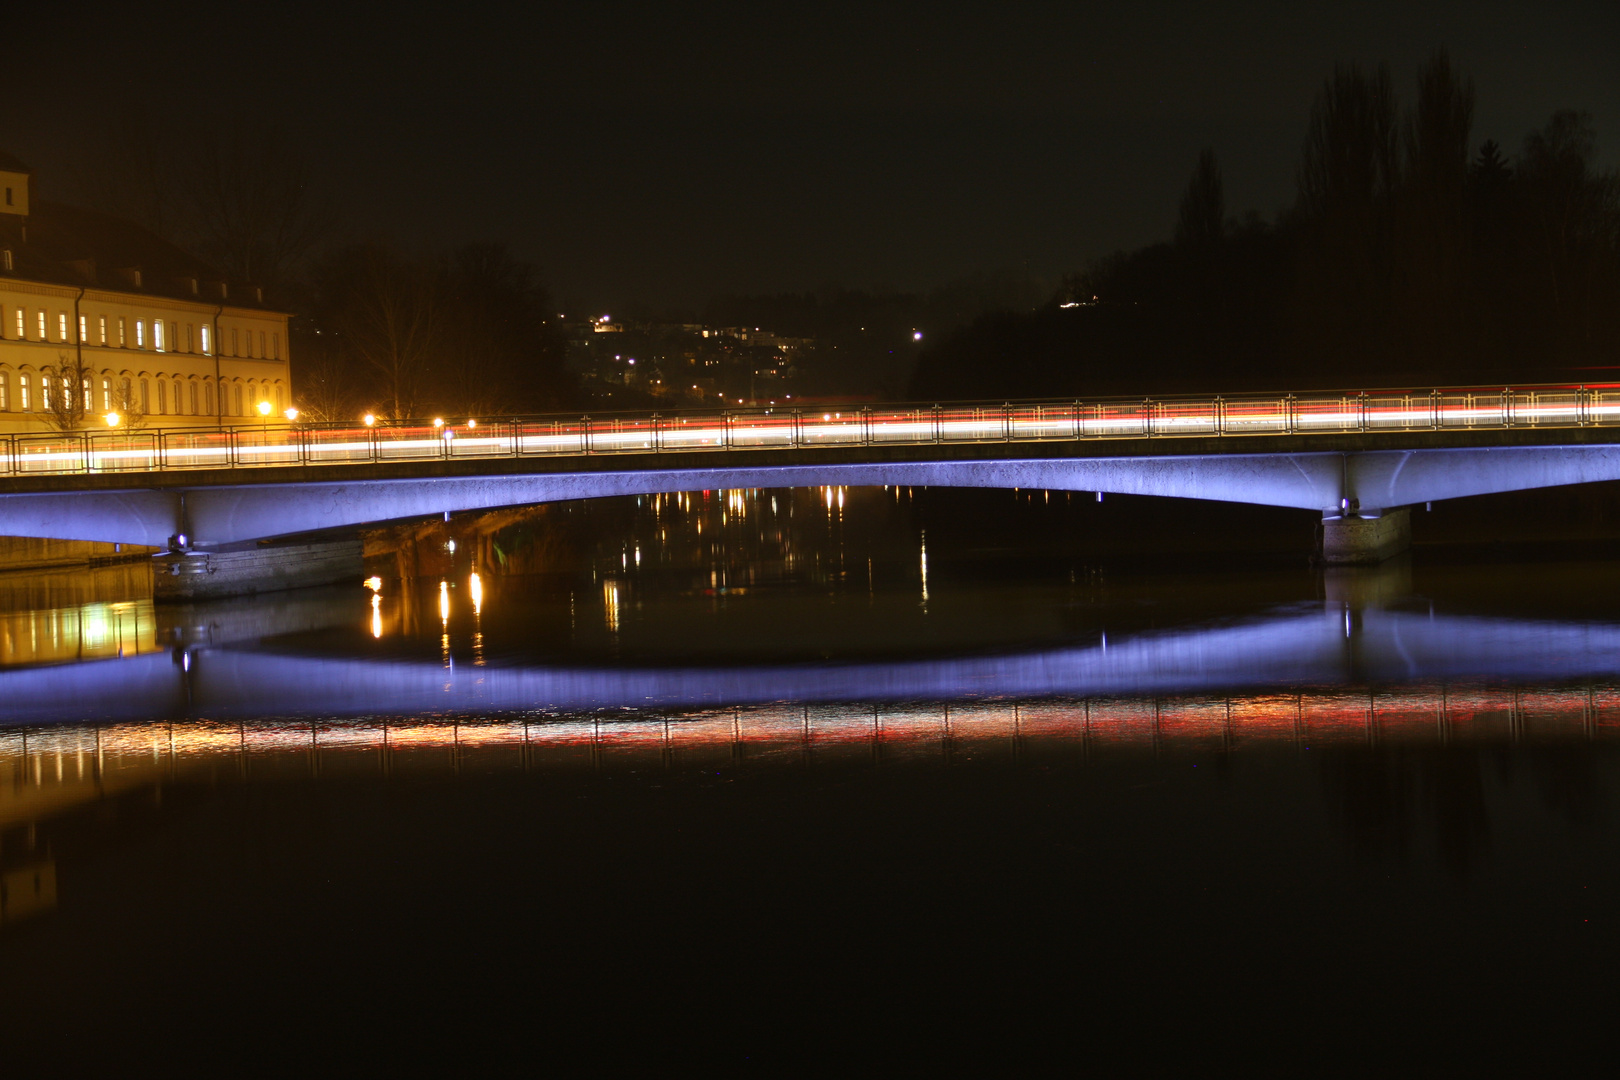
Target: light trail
1242, 416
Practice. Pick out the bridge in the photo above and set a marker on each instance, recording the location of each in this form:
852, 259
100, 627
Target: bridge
1358, 458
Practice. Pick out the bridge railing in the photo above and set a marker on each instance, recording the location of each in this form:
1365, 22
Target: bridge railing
263, 445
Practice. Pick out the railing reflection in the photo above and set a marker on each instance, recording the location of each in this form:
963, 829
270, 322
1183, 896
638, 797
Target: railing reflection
1369, 411
44, 768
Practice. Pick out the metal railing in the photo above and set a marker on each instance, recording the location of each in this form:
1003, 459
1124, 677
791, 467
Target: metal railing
268, 446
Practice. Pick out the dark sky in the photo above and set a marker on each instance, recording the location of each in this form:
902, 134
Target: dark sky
659, 154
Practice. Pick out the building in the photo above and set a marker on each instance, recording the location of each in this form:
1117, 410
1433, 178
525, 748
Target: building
159, 337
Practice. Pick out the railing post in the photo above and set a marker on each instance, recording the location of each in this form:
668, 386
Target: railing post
11, 453
726, 420
1434, 410
1006, 421
938, 423
657, 441
1289, 415
797, 429
1507, 406
1583, 406
1361, 411
1147, 417
585, 435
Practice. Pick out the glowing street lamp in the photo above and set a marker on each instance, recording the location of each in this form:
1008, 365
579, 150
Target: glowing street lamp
369, 420
264, 408
438, 421
113, 419
291, 415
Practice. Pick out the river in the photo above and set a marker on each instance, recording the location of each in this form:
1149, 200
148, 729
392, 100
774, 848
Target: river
765, 775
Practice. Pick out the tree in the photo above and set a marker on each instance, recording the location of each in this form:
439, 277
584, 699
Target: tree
385, 312
1202, 219
254, 212
1432, 244
65, 393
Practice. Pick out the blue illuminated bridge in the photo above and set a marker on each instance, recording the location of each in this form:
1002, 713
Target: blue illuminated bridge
1358, 458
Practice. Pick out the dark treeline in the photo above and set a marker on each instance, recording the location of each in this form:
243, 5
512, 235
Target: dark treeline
1410, 257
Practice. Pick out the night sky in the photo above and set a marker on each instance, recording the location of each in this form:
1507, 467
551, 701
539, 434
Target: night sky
657, 155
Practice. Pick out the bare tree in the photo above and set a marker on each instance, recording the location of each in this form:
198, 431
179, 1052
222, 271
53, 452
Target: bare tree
386, 312
255, 211
65, 393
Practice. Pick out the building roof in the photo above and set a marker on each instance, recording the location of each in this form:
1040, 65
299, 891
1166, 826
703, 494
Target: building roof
11, 164
68, 245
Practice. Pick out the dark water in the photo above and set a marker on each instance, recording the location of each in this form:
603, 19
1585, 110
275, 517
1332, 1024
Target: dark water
865, 778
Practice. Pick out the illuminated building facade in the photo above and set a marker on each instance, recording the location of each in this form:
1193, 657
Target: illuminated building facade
156, 334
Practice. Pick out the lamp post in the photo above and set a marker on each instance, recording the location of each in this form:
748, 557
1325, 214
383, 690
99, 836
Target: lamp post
264, 422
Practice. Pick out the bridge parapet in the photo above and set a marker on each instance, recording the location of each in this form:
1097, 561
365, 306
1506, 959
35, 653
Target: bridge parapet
1235, 417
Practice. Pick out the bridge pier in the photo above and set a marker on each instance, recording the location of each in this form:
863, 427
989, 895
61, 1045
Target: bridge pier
208, 575
1364, 539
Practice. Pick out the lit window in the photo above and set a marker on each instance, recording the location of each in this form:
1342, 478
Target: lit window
103, 331
84, 333
140, 333
42, 326
22, 392
123, 338
22, 330
106, 394
61, 326
157, 334
45, 392
5, 392
9, 265
205, 341
88, 400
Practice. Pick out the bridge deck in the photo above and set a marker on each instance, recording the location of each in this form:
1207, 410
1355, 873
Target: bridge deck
1238, 422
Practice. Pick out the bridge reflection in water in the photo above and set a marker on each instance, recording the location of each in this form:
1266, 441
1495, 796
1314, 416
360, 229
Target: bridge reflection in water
46, 770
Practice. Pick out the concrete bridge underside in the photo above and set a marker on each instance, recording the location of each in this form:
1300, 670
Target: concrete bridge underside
1360, 485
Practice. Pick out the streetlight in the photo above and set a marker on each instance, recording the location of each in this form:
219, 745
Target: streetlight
369, 420
264, 412
438, 421
113, 419
291, 415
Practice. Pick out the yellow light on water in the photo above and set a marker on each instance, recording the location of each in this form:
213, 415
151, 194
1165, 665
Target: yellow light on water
444, 603
374, 583
475, 585
376, 615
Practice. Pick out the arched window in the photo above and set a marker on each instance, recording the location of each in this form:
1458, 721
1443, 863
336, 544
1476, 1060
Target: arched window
179, 400
5, 391
106, 394
162, 397
22, 393
208, 394
126, 396
237, 397
146, 400
46, 377
194, 409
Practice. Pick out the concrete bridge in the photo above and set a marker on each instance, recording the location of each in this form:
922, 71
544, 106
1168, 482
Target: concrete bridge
1358, 459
